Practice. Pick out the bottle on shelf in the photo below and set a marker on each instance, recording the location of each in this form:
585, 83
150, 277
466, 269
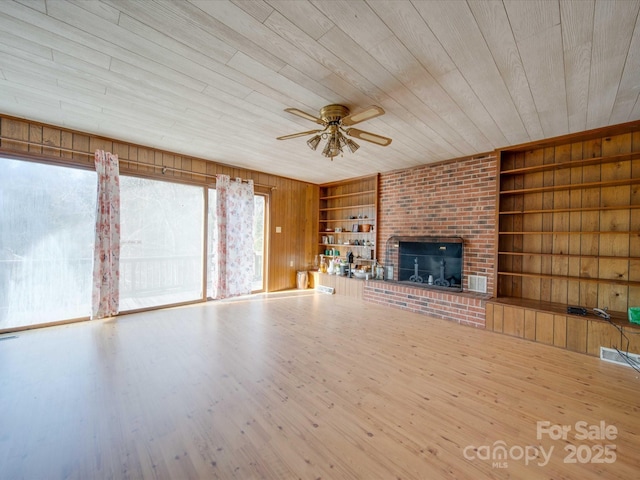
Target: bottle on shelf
323, 265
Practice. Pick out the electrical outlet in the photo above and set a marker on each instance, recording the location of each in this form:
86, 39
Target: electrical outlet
291, 263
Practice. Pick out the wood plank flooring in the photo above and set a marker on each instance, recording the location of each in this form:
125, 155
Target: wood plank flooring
303, 385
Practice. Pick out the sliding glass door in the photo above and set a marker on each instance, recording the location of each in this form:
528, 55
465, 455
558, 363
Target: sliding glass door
47, 218
47, 224
162, 226
259, 244
259, 223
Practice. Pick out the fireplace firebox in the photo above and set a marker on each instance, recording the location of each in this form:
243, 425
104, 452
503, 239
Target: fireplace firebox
429, 262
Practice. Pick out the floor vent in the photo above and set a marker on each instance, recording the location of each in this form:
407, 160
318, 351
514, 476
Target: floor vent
477, 283
621, 358
325, 289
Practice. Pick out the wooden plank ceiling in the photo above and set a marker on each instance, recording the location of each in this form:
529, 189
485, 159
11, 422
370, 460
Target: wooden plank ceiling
212, 78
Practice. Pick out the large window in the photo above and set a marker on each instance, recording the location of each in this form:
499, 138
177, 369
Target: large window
161, 255
47, 217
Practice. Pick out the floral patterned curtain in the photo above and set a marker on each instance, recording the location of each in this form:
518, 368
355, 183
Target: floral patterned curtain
106, 254
232, 273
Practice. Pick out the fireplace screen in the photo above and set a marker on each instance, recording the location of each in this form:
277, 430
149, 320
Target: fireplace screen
430, 262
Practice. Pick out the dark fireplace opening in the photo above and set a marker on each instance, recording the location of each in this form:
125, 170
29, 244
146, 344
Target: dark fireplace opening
429, 262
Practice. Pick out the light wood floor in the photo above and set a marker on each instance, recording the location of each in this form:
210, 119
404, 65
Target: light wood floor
301, 385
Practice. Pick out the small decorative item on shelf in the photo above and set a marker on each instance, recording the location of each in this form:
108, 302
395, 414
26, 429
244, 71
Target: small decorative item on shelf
332, 269
365, 227
634, 315
359, 273
344, 268
379, 271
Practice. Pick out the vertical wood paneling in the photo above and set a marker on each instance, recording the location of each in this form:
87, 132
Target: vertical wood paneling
560, 331
498, 318
489, 313
601, 334
575, 225
576, 334
513, 321
530, 324
544, 328
634, 340
35, 135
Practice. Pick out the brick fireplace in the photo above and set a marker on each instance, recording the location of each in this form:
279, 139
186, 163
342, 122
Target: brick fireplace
428, 262
450, 199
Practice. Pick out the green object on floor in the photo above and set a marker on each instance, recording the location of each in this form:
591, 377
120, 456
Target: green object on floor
634, 315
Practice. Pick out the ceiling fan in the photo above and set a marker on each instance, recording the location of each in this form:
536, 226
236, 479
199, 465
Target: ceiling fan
337, 122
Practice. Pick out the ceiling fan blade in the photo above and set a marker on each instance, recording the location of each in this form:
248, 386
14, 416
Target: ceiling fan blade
295, 135
366, 114
368, 137
306, 115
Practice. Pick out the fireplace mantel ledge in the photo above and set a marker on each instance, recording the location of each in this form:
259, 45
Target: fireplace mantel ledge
422, 291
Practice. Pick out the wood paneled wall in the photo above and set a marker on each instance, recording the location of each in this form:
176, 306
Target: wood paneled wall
293, 205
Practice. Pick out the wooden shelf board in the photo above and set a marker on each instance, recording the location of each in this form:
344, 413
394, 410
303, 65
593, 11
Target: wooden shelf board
573, 163
568, 210
351, 181
574, 186
346, 195
565, 255
343, 245
368, 220
617, 232
350, 207
570, 279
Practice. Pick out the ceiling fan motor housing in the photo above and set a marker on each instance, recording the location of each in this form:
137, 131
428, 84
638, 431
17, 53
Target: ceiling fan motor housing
333, 113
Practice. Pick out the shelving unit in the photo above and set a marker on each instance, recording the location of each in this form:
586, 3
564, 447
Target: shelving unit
347, 214
568, 216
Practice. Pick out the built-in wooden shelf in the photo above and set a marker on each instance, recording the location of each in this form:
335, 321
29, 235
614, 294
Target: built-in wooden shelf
357, 197
572, 164
548, 322
572, 186
571, 279
570, 210
566, 255
568, 216
551, 232
347, 195
348, 207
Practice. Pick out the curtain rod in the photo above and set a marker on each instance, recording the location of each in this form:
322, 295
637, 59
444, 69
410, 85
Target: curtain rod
163, 168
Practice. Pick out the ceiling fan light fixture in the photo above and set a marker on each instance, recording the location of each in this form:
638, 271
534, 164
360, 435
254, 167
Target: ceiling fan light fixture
342, 141
353, 146
337, 122
332, 148
314, 141
327, 150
